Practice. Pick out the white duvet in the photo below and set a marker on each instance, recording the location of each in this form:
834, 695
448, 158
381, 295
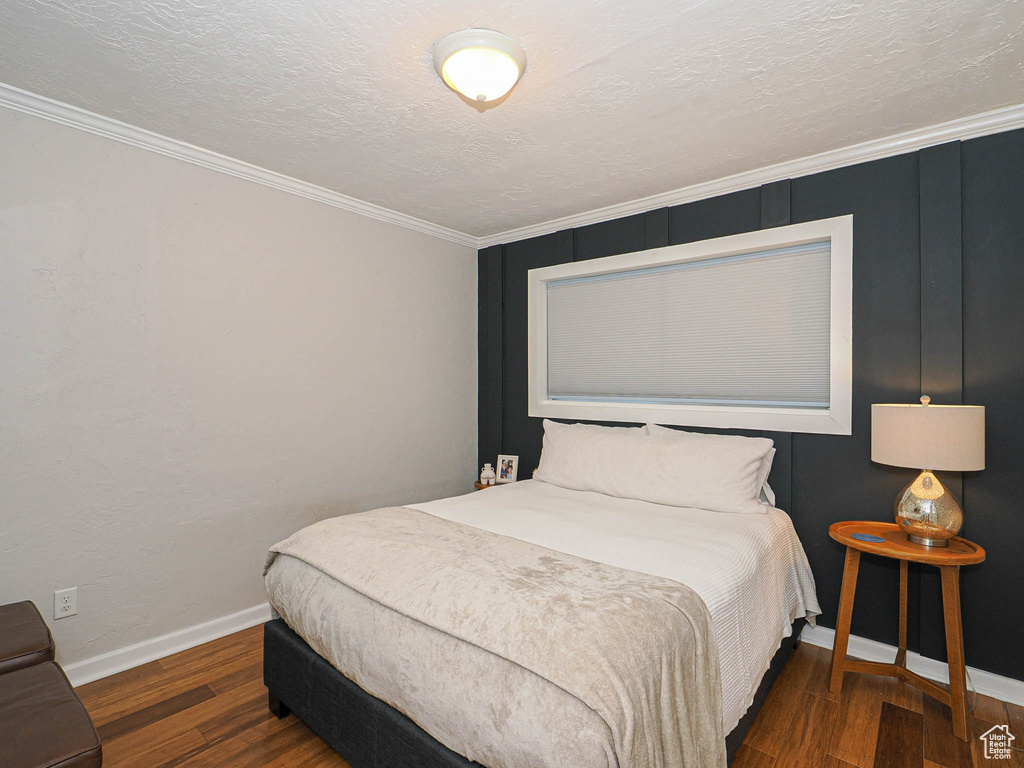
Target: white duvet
749, 569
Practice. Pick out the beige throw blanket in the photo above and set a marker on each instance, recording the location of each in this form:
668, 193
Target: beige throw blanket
637, 649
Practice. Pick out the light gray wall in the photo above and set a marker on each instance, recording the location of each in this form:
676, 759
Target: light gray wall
193, 366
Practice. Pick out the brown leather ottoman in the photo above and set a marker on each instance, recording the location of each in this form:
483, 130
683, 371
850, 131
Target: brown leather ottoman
42, 722
24, 637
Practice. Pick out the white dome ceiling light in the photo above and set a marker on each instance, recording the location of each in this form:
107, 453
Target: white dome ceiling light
481, 64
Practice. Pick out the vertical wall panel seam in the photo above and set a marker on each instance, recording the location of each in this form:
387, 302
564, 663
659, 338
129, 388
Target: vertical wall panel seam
940, 208
916, 620
656, 236
792, 471
926, 619
501, 376
963, 336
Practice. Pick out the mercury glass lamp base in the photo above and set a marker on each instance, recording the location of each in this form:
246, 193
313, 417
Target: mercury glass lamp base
927, 512
928, 542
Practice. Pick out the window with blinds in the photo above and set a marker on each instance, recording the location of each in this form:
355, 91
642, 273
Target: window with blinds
748, 331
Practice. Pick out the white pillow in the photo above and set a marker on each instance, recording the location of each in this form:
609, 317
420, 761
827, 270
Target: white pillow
767, 495
583, 431
720, 475
765, 490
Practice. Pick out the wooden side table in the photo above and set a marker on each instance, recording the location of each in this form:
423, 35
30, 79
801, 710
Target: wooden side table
895, 544
481, 487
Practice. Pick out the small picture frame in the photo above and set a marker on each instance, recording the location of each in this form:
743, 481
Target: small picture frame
507, 469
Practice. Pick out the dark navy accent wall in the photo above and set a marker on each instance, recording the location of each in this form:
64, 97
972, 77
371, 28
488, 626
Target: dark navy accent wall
942, 343
489, 350
517, 429
834, 478
776, 205
992, 171
938, 308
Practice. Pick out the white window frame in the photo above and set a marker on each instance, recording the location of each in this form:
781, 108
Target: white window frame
834, 420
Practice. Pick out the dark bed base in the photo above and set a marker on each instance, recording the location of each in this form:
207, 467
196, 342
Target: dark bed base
371, 734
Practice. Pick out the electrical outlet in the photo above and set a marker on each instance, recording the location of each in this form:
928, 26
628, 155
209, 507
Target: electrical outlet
65, 603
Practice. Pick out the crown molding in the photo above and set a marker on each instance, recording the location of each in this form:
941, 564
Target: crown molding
98, 125
961, 129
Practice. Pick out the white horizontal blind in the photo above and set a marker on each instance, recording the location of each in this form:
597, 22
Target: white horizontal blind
740, 330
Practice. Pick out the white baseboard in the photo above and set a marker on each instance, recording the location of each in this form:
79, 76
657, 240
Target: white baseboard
987, 683
104, 665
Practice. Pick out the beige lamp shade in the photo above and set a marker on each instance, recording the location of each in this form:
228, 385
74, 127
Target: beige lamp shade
935, 437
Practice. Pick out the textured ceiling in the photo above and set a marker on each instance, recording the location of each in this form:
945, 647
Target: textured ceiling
620, 99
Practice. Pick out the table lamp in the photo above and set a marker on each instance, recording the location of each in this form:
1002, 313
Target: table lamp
929, 437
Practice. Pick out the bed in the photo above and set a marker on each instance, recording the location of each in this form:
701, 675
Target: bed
389, 685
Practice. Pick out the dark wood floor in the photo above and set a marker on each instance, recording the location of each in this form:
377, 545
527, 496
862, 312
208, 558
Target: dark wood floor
876, 722
207, 707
